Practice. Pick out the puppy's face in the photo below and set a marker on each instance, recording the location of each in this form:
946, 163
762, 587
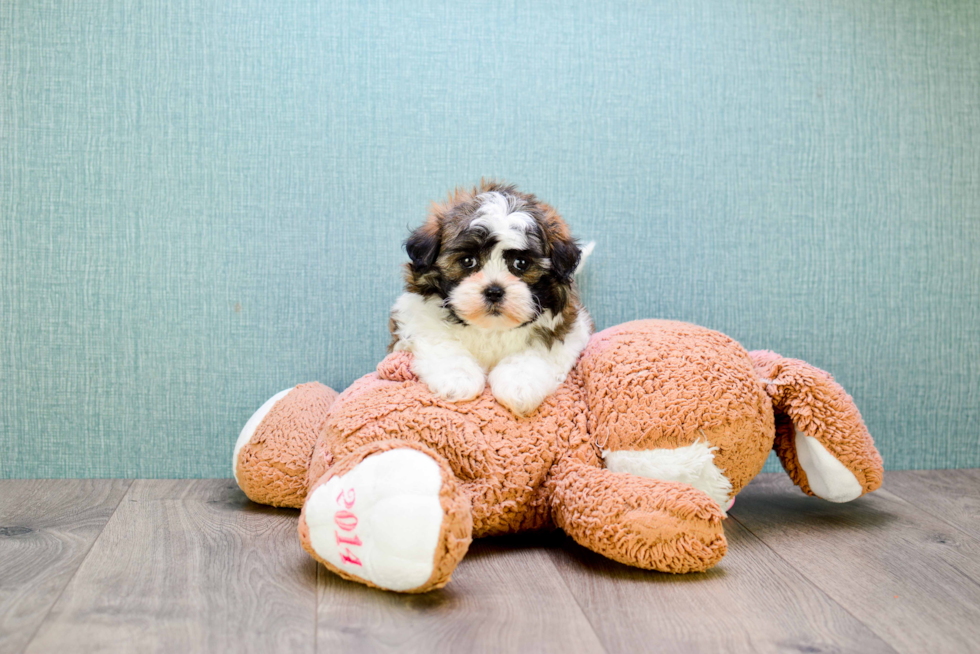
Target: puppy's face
497, 257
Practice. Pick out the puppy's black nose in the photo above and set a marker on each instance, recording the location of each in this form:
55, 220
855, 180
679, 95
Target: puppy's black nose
494, 293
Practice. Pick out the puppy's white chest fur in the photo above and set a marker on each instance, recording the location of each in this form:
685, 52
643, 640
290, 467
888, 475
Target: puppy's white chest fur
421, 320
490, 347
454, 359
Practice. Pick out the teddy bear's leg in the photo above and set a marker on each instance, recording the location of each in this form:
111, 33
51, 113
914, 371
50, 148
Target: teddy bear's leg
821, 439
392, 515
273, 451
647, 523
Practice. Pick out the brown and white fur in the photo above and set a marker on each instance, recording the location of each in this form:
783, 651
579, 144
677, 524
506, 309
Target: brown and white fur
490, 296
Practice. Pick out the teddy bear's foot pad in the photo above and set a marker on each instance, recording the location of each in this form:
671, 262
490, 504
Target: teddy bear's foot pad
828, 478
380, 521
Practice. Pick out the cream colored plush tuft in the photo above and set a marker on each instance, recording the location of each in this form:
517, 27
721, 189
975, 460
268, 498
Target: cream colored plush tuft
692, 464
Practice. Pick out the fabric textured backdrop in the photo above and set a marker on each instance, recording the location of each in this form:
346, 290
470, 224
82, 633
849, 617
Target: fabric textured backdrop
203, 203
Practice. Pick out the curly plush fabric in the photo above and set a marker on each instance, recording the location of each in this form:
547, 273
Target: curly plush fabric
647, 523
647, 390
277, 457
675, 384
808, 400
501, 461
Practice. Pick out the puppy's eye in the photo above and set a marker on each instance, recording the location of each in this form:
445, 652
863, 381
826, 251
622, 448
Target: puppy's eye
521, 264
468, 262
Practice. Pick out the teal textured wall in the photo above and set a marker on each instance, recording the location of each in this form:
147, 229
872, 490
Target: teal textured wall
202, 203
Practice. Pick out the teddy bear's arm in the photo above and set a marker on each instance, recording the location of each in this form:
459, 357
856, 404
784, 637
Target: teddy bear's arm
821, 439
646, 523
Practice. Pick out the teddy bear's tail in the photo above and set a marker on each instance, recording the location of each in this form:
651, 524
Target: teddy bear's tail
821, 439
273, 452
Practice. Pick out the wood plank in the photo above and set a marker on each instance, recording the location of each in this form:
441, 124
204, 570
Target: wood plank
188, 566
908, 575
952, 495
505, 596
46, 528
752, 602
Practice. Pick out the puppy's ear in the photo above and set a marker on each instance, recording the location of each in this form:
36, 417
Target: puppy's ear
423, 246
565, 255
565, 252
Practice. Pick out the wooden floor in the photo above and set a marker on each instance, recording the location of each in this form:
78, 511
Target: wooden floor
183, 566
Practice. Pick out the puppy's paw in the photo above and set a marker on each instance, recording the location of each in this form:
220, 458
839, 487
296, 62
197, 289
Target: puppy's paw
522, 386
456, 380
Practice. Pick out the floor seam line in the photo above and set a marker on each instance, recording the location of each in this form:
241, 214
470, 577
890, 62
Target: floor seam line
942, 519
574, 597
47, 614
316, 609
815, 585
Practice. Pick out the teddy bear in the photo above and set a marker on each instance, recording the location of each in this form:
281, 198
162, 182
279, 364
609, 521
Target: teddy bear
637, 456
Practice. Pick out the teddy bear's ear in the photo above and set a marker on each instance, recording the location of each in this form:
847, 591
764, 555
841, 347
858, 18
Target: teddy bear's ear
423, 246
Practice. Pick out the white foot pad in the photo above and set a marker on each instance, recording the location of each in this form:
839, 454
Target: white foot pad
828, 478
381, 520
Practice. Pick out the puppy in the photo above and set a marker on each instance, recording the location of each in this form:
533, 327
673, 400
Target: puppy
490, 296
